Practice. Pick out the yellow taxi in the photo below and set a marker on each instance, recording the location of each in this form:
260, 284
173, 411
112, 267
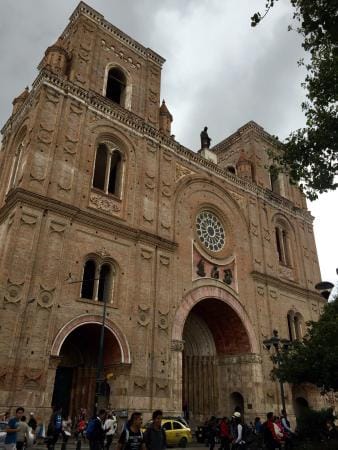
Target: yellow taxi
176, 432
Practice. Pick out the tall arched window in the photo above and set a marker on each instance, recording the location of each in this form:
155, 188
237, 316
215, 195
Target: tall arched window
283, 244
116, 86
108, 169
98, 280
88, 279
295, 325
16, 170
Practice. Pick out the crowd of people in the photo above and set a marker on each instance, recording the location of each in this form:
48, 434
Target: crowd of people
274, 433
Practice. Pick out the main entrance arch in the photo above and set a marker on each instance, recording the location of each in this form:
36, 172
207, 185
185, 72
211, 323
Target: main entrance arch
220, 349
76, 346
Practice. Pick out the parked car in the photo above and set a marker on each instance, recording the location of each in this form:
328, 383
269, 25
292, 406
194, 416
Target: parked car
177, 433
3, 426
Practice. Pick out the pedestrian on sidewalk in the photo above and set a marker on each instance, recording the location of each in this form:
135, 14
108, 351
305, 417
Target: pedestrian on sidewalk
131, 437
22, 434
11, 430
154, 436
110, 426
54, 428
95, 432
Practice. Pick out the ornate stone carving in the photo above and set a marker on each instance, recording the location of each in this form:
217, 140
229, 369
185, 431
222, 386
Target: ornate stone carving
103, 203
182, 171
214, 273
162, 389
32, 378
227, 278
177, 346
13, 293
260, 290
46, 297
200, 268
163, 320
28, 219
143, 315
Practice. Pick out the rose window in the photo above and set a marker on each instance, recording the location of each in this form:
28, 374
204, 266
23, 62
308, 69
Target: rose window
210, 231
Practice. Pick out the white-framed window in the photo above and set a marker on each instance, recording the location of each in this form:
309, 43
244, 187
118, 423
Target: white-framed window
108, 169
98, 280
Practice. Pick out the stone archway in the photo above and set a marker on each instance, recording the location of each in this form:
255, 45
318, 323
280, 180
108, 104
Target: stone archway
75, 349
219, 351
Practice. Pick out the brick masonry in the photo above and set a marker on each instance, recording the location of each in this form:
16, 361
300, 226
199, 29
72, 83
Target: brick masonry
51, 219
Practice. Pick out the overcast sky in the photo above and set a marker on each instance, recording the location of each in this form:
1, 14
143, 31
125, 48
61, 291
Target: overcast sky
219, 71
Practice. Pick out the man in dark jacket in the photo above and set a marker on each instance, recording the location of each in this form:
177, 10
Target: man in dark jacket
95, 432
154, 437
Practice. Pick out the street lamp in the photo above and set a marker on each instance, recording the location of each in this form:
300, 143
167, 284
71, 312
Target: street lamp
328, 290
100, 383
278, 344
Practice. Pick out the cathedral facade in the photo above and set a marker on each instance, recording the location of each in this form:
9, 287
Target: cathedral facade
187, 260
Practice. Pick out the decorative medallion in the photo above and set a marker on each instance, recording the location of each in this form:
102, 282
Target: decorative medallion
210, 231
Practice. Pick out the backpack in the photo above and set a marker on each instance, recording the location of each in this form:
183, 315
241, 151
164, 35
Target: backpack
247, 433
90, 430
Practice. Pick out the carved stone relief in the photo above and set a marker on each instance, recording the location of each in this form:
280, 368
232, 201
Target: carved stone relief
13, 292
143, 315
103, 203
181, 172
46, 297
177, 346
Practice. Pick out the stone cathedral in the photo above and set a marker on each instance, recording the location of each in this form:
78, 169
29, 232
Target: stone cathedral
198, 256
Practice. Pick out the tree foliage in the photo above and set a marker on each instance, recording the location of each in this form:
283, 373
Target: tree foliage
311, 153
315, 359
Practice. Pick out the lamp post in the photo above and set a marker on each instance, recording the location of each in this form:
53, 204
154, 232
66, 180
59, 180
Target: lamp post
100, 387
278, 344
328, 290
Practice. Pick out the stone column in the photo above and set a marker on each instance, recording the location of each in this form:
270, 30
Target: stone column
177, 349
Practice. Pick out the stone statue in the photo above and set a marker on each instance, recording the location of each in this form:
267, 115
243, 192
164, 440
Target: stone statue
227, 276
215, 273
205, 140
200, 268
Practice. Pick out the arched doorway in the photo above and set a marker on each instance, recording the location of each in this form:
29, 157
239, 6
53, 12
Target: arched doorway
75, 378
300, 405
236, 402
212, 333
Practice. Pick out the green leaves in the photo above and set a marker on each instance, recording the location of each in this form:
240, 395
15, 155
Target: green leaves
315, 359
310, 154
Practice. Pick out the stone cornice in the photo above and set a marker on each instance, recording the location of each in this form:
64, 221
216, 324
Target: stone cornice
32, 199
287, 285
95, 16
113, 112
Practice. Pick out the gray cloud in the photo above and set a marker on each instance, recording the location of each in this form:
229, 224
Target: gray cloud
219, 71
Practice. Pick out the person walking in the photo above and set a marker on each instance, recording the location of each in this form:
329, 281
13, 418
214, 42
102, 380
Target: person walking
54, 428
131, 437
32, 423
95, 432
212, 432
224, 432
22, 434
238, 441
270, 439
110, 426
154, 436
11, 429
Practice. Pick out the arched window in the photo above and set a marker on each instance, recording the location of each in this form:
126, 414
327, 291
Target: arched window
116, 86
108, 169
231, 169
88, 279
295, 325
104, 288
274, 180
16, 170
98, 280
283, 244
